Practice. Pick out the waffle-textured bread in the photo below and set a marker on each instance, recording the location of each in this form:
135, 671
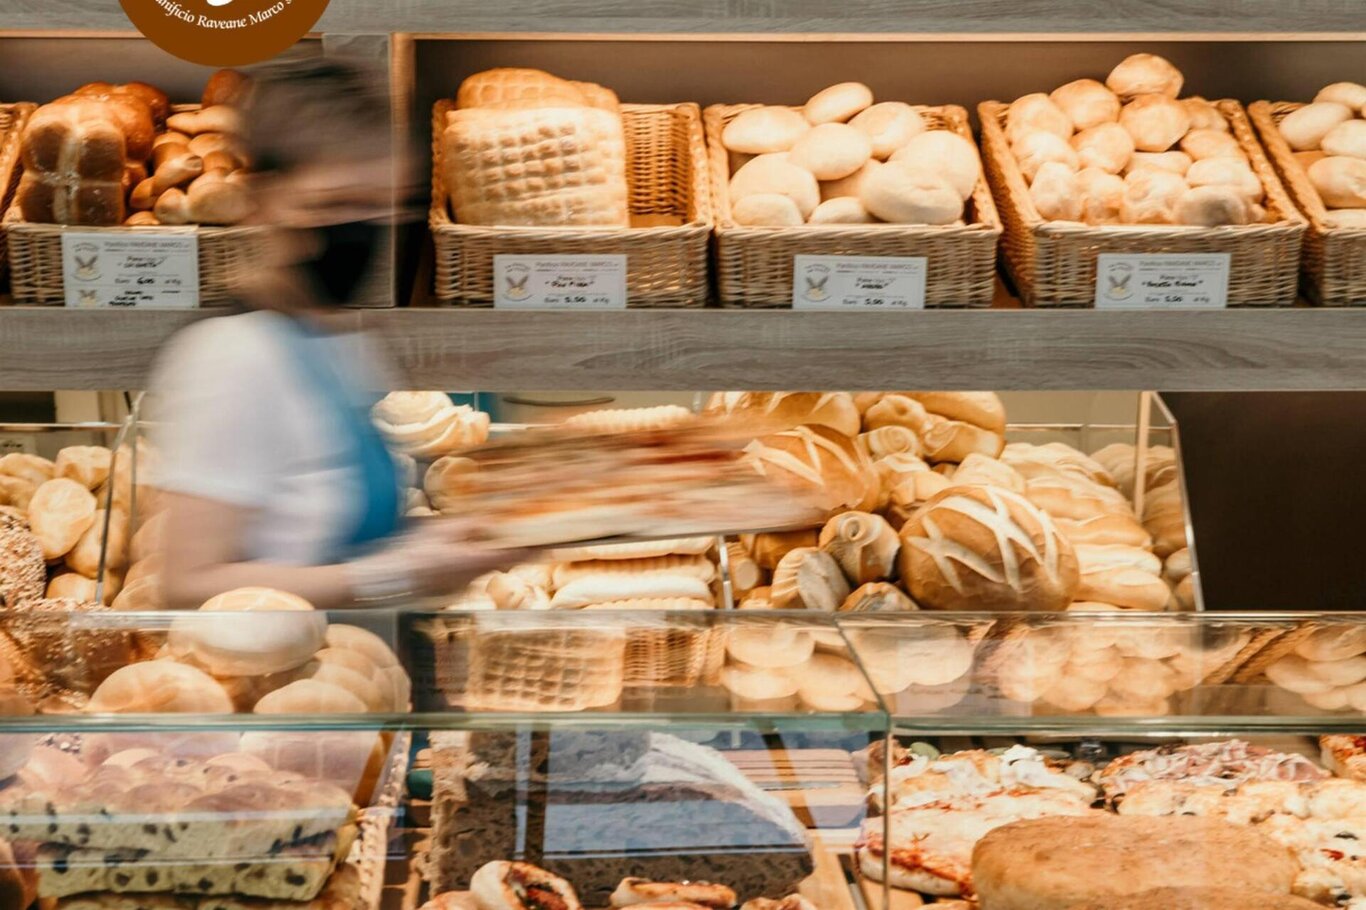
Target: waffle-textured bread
546, 167
514, 87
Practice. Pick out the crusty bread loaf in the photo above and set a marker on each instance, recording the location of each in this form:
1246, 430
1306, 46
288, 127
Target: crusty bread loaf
1200, 899
811, 579
547, 167
773, 411
512, 87
1048, 863
864, 545
819, 462
74, 157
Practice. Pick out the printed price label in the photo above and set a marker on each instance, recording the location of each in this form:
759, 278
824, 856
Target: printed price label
136, 270
1162, 281
559, 282
858, 282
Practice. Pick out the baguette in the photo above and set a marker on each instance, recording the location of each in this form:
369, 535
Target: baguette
601, 589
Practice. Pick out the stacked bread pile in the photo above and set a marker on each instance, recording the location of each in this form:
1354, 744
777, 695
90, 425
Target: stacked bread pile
1325, 665
1329, 141
525, 148
423, 428
1131, 151
842, 159
115, 154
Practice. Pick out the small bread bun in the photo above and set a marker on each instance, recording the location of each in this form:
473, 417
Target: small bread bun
1231, 172
1036, 112
310, 696
59, 512
71, 586
32, 469
87, 465
775, 174
848, 186
757, 688
160, 687
945, 153
838, 103
1200, 144
767, 210
1086, 103
761, 130
904, 193
898, 410
1034, 150
769, 548
1351, 94
1145, 74
831, 151
843, 210
1156, 122
955, 440
889, 125
1335, 642
1347, 218
1056, 192
1107, 146
1204, 115
1340, 180
1176, 162
1130, 588
770, 647
877, 597
1102, 195
1347, 138
983, 409
1305, 127
282, 633
809, 579
1211, 206
1150, 196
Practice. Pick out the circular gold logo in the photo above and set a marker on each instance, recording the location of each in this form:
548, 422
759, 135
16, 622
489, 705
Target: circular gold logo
224, 32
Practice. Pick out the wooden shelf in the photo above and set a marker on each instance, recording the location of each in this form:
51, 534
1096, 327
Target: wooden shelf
1227, 350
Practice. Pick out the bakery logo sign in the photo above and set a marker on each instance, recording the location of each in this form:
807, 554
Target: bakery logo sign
815, 283
1119, 281
224, 32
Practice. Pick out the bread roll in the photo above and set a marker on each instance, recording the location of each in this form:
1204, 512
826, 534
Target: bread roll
601, 589
770, 646
809, 579
903, 193
220, 118
1211, 206
982, 409
1305, 127
1145, 74
843, 210
1150, 196
225, 87
1232, 172
71, 586
59, 512
898, 411
1176, 162
1351, 94
1156, 122
818, 463
1086, 103
1201, 144
1056, 192
1340, 180
87, 465
831, 151
310, 696
1107, 146
1102, 196
1347, 138
774, 174
32, 469
1130, 588
1204, 115
1034, 150
889, 440
947, 154
985, 548
283, 633
1036, 112
955, 440
848, 186
772, 411
837, 103
863, 544
1347, 218
767, 210
982, 469
888, 125
877, 597
160, 687
84, 557
1198, 898
74, 158
762, 130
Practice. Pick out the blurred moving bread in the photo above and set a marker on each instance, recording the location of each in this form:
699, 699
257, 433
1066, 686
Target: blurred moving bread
447, 480
818, 463
698, 566
640, 550
628, 420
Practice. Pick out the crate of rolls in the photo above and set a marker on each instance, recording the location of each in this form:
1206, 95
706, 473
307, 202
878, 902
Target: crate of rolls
1319, 150
843, 176
1129, 167
12, 120
140, 162
527, 163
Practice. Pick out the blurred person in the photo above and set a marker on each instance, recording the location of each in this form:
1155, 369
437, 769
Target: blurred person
269, 467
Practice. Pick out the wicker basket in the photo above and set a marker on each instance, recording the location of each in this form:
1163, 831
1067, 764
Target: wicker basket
754, 264
660, 654
12, 120
1054, 263
35, 254
1334, 263
666, 266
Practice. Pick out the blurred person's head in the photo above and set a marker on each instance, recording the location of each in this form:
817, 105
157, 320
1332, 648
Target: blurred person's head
326, 171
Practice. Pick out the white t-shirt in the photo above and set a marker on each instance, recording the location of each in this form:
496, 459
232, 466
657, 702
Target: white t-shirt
237, 419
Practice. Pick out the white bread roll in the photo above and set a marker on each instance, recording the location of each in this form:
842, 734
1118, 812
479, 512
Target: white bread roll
1347, 218
1232, 172
282, 633
1107, 146
1034, 150
831, 151
1150, 196
1305, 128
1056, 193
770, 647
904, 193
955, 440
983, 409
1036, 112
1086, 103
310, 696
1102, 195
947, 154
160, 687
1176, 162
59, 512
775, 174
863, 544
1352, 94
1340, 180
1204, 115
1200, 144
1125, 587
842, 210
1211, 206
1145, 74
87, 465
837, 103
766, 210
810, 579
848, 186
71, 586
762, 130
978, 468
889, 125
599, 589
1156, 122
1347, 138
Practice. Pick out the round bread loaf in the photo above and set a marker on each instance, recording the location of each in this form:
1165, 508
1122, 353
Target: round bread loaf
1150, 196
1102, 195
889, 126
848, 186
32, 469
1048, 863
1056, 193
1207, 143
1347, 138
1145, 74
283, 632
1107, 146
1351, 94
762, 130
831, 151
985, 548
87, 465
1086, 103
1204, 115
776, 174
1211, 206
160, 687
1034, 150
60, 511
773, 411
1036, 112
841, 210
1340, 180
947, 154
905, 193
837, 103
767, 210
1155, 121
1200, 899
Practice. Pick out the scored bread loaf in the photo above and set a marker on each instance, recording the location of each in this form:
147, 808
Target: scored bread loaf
74, 157
772, 411
548, 167
819, 462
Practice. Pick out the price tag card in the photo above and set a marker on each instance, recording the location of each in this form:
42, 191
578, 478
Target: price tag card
137, 269
858, 282
1162, 281
559, 282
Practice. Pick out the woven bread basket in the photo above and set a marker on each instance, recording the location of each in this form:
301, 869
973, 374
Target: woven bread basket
666, 176
1334, 263
551, 668
754, 264
12, 120
226, 254
660, 654
1053, 263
